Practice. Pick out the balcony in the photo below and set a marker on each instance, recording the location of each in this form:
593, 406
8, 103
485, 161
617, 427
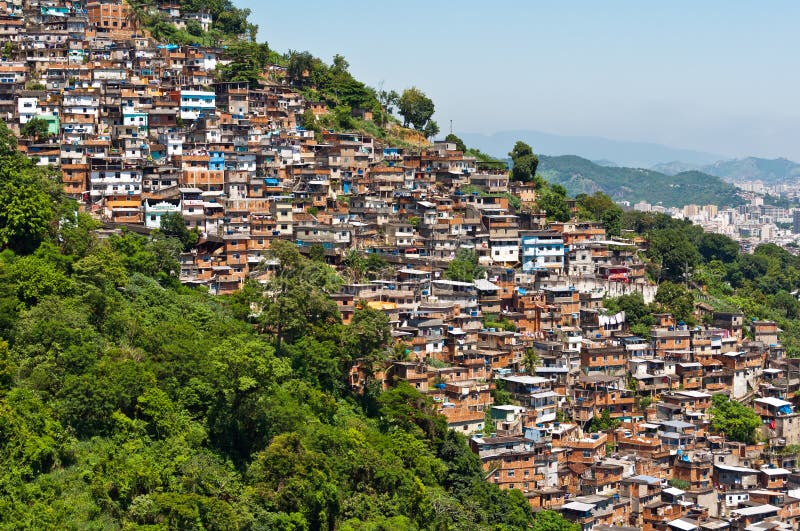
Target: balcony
655, 386
606, 401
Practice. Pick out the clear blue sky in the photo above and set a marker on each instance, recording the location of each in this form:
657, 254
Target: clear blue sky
717, 76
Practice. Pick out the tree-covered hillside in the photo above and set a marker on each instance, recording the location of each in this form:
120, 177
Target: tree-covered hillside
770, 171
129, 401
579, 176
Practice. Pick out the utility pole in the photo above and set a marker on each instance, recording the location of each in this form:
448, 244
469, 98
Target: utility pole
686, 274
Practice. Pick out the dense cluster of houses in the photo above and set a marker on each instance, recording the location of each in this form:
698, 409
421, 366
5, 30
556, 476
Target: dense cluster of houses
659, 466
611, 429
562, 402
141, 129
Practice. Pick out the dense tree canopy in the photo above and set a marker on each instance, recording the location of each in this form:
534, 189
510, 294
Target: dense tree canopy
464, 267
247, 62
335, 86
416, 108
677, 300
460, 145
636, 311
737, 421
300, 66
552, 521
36, 128
173, 225
524, 162
717, 247
602, 208
431, 129
602, 422
674, 252
29, 197
553, 200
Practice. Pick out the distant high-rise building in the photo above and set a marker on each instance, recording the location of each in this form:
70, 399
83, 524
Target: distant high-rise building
767, 232
796, 221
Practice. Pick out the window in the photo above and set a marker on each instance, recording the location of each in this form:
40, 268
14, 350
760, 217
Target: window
511, 473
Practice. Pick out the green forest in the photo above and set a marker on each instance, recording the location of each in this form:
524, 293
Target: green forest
129, 401
581, 176
769, 171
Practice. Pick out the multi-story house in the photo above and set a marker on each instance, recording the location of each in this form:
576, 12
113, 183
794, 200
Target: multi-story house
542, 251
196, 104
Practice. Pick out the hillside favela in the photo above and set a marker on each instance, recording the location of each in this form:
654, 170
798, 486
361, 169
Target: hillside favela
251, 287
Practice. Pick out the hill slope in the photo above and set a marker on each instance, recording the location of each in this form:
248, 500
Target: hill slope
753, 168
675, 167
579, 175
770, 171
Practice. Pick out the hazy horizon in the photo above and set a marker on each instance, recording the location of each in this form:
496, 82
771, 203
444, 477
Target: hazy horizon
717, 77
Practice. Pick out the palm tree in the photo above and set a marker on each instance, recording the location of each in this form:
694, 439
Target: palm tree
355, 264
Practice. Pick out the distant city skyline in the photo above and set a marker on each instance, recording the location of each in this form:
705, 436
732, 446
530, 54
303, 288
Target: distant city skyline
716, 76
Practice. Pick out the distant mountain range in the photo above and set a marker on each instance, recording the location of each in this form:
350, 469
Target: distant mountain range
770, 171
613, 163
579, 175
621, 152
